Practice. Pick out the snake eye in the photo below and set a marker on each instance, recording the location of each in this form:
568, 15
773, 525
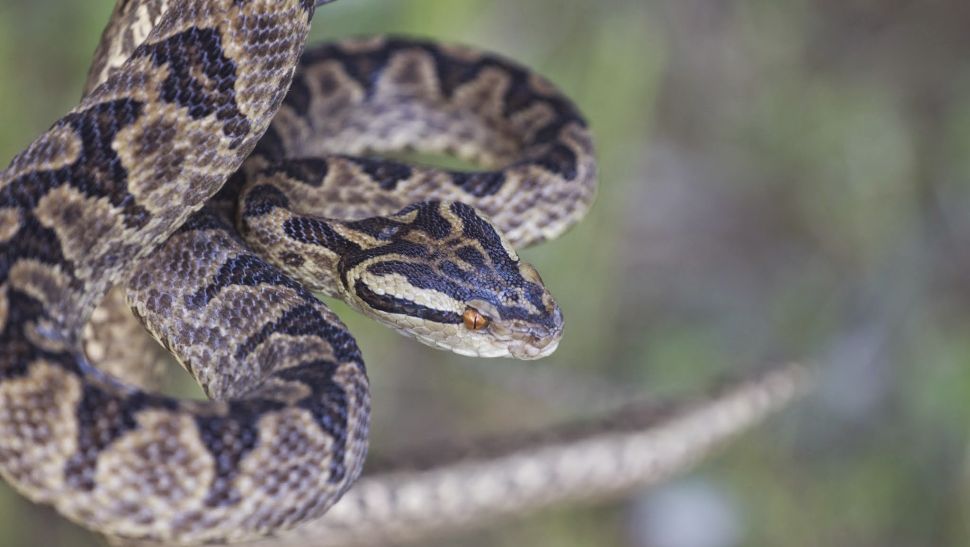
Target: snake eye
474, 320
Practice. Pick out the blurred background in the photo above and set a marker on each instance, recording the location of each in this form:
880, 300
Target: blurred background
779, 180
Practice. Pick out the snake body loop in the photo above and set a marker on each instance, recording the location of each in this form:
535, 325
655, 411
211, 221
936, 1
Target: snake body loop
126, 188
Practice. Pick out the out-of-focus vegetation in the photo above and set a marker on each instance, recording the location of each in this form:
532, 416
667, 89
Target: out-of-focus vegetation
779, 180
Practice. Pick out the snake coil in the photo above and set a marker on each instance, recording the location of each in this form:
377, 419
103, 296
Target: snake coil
126, 188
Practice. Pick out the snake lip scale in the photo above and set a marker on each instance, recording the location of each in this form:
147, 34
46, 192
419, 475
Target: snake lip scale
213, 166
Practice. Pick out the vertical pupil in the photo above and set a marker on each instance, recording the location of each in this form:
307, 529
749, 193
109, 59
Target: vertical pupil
474, 320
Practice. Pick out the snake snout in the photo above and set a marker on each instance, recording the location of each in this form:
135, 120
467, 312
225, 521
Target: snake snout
535, 348
540, 340
554, 330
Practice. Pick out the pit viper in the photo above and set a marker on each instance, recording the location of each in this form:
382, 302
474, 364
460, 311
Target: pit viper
213, 166
220, 173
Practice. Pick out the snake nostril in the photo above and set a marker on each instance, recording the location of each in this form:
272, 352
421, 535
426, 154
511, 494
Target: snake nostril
541, 337
542, 342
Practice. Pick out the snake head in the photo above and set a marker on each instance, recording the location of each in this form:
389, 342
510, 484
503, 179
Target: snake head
441, 273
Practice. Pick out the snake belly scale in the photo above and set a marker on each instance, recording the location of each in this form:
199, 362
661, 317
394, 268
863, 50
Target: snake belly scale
126, 189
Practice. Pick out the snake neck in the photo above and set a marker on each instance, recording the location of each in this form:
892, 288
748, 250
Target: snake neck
306, 248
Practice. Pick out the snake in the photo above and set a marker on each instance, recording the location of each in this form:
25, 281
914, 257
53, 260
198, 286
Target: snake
224, 175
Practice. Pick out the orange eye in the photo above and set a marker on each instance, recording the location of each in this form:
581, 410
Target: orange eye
474, 320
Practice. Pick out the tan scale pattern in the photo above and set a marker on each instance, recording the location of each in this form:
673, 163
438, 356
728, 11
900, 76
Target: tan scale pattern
121, 346
134, 464
36, 417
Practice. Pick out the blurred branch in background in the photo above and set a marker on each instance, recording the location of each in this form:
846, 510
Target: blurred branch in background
779, 180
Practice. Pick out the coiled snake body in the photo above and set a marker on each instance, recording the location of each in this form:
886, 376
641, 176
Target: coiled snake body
119, 189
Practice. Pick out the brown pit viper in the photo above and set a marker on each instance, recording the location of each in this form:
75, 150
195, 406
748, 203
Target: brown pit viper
222, 173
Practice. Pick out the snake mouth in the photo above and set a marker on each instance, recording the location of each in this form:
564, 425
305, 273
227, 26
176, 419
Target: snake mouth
533, 349
531, 341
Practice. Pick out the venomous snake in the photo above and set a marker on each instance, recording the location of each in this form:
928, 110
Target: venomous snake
208, 146
120, 189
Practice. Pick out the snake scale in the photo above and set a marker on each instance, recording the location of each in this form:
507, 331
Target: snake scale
126, 187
